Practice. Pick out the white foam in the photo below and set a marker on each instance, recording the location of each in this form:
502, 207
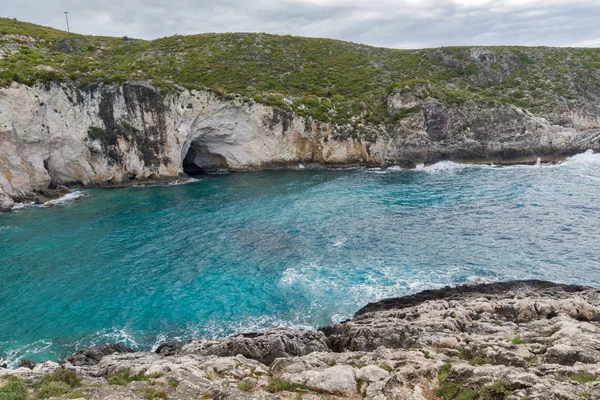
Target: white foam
13, 356
589, 157
337, 318
67, 199
340, 242
177, 182
219, 329
45, 346
445, 166
378, 171
477, 280
20, 206
396, 168
183, 181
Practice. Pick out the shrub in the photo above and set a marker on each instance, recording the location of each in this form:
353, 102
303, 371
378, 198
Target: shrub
454, 391
125, 377
583, 377
517, 340
66, 376
498, 390
245, 386
385, 366
471, 70
359, 384
151, 393
15, 389
279, 385
269, 68
52, 389
445, 373
75, 394
96, 132
479, 361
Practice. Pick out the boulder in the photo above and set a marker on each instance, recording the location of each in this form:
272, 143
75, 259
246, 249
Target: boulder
334, 380
93, 355
46, 367
372, 373
264, 347
6, 203
169, 349
24, 363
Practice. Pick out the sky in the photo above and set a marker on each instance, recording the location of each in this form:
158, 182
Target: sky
386, 23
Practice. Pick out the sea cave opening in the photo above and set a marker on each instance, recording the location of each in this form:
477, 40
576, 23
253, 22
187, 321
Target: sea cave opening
200, 160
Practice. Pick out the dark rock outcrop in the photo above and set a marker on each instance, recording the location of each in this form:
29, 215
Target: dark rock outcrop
264, 347
23, 363
169, 349
93, 355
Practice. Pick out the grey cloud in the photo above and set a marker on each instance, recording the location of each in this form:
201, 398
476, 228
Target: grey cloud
399, 23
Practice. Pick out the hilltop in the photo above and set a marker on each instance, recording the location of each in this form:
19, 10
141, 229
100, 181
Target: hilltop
329, 80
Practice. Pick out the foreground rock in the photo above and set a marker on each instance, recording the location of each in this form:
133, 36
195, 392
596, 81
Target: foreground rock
264, 347
515, 340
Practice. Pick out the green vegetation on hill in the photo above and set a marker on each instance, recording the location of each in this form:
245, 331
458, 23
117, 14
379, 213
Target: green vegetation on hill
324, 78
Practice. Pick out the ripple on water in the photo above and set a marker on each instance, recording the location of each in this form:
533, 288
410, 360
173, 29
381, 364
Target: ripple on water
301, 249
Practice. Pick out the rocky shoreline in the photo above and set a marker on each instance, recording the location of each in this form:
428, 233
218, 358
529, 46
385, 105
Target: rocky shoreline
512, 340
60, 134
43, 196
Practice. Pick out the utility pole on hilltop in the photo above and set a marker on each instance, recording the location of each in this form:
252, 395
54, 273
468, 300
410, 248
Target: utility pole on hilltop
67, 18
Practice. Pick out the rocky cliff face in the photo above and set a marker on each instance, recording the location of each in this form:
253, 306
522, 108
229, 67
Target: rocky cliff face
514, 340
58, 134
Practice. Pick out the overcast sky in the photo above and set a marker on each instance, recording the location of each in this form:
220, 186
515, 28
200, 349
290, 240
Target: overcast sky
389, 23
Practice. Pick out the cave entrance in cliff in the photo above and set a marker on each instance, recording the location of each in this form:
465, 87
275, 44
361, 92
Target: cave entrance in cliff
200, 160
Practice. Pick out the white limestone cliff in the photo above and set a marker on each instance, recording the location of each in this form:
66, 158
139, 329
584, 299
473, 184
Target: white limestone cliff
58, 134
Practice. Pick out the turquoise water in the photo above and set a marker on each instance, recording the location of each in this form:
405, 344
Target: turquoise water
252, 251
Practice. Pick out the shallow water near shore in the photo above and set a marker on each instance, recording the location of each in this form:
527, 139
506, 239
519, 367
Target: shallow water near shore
303, 249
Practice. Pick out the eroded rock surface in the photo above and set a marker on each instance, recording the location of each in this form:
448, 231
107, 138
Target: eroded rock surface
514, 340
263, 346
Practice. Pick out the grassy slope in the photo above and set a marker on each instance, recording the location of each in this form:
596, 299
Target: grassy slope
327, 79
